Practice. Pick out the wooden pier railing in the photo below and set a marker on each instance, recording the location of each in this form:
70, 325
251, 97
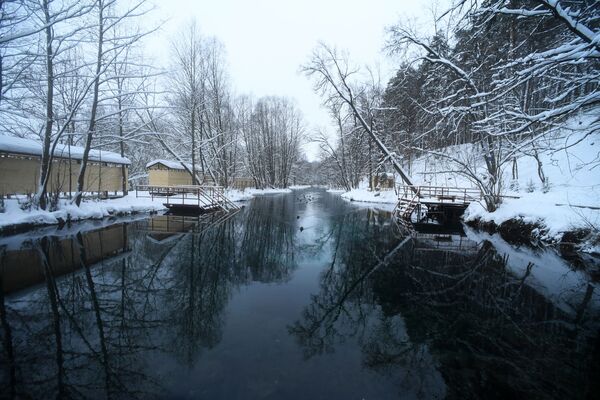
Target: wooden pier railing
204, 197
440, 194
412, 198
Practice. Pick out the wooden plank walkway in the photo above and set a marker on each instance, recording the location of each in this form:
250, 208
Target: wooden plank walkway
441, 201
189, 198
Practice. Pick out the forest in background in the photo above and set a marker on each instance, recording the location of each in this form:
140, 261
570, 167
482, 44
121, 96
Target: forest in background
75, 73
500, 76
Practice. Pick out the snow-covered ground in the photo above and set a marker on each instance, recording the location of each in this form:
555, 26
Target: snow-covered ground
259, 192
97, 209
573, 175
89, 209
300, 187
364, 195
383, 200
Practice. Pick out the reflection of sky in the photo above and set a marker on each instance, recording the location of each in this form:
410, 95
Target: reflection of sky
257, 352
208, 328
551, 276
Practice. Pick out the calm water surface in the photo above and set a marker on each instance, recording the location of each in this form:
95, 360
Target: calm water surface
298, 296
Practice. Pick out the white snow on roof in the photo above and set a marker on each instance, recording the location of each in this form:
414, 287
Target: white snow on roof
12, 144
169, 164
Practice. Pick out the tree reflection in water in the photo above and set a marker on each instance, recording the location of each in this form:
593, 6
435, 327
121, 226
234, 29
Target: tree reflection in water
128, 310
451, 322
92, 328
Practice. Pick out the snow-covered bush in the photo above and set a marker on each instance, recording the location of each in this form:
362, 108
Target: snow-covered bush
54, 201
26, 204
546, 187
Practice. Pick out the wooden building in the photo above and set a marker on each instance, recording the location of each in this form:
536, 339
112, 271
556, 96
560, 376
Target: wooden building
384, 180
168, 173
173, 173
242, 183
20, 161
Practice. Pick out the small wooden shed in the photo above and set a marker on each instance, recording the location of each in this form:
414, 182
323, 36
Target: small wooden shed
168, 173
242, 183
20, 168
172, 173
383, 180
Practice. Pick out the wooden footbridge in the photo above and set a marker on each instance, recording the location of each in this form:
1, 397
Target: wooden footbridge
433, 202
189, 198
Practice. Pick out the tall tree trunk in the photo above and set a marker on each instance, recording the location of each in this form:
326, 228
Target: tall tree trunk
121, 134
193, 129
92, 125
46, 165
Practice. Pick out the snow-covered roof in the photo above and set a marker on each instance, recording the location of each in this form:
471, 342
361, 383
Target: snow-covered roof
15, 145
169, 164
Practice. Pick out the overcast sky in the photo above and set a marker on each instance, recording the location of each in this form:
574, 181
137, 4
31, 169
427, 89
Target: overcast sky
267, 40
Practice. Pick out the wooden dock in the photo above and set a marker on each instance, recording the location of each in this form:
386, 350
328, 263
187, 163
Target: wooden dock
189, 199
445, 204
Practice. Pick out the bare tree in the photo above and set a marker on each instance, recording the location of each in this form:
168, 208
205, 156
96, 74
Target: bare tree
56, 76
333, 79
108, 51
272, 135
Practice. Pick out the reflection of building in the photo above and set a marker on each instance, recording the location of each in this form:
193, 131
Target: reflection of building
20, 168
164, 227
23, 268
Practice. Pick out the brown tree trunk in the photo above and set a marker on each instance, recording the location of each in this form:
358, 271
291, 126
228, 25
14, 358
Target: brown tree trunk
92, 125
46, 163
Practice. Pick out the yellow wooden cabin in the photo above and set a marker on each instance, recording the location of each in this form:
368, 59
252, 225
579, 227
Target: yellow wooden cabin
174, 173
241, 183
20, 168
168, 173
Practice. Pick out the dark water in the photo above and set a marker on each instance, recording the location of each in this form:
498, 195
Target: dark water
299, 296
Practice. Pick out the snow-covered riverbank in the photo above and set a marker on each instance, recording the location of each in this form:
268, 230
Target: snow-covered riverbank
16, 218
567, 201
14, 215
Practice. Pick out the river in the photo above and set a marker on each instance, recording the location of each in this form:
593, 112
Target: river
297, 296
